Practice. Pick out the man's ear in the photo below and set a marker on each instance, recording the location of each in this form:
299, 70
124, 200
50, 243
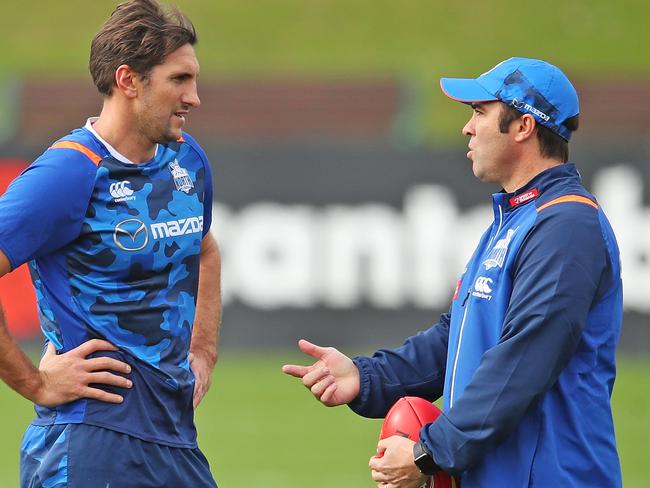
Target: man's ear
524, 127
126, 81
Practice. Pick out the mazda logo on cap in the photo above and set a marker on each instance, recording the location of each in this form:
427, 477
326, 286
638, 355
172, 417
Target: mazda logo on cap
131, 235
517, 104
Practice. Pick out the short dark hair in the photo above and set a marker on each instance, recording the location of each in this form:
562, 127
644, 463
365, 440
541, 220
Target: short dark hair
551, 145
139, 33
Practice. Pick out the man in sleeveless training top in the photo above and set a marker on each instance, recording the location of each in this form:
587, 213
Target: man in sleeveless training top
114, 222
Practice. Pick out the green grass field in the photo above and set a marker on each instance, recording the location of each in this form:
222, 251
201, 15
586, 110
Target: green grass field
595, 38
260, 428
416, 41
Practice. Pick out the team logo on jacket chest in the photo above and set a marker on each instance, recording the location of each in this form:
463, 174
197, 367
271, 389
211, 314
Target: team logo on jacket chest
497, 255
181, 177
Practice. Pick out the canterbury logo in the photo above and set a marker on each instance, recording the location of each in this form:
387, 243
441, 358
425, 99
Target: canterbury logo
121, 191
482, 285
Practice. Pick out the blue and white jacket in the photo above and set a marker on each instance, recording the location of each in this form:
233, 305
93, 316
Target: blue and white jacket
525, 358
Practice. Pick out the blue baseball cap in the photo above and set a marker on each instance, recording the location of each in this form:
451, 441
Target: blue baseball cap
531, 86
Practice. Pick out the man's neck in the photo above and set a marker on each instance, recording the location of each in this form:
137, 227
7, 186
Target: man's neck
526, 171
122, 136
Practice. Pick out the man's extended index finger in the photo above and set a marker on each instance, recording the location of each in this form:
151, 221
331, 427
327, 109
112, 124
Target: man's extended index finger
311, 349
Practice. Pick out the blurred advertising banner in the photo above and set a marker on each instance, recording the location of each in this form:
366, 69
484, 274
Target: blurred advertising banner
343, 255
336, 221
16, 291
363, 243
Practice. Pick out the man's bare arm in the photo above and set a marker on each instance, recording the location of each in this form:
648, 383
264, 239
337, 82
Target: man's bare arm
60, 378
207, 321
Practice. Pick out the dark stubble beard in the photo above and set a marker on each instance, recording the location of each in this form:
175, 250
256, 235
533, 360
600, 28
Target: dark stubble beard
147, 127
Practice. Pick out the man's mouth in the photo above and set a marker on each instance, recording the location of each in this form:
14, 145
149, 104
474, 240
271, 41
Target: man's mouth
181, 114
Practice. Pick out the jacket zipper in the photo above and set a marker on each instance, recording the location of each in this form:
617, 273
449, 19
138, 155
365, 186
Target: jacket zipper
462, 324
460, 340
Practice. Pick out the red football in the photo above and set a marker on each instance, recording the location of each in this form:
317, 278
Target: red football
406, 418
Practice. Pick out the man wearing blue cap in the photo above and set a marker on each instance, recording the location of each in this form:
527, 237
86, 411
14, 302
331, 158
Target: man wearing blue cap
525, 357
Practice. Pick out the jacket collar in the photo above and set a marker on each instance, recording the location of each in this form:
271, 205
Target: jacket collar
536, 187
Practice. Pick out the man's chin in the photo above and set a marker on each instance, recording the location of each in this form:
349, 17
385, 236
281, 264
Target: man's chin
482, 175
171, 136
477, 171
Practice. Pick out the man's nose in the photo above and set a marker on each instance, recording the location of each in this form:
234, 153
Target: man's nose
192, 97
468, 129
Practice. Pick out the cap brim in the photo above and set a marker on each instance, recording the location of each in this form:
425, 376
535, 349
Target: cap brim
465, 90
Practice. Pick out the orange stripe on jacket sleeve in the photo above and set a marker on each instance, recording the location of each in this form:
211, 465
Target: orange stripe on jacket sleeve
94, 157
569, 198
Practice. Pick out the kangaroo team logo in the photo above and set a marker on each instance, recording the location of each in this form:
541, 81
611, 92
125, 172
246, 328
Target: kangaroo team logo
182, 178
498, 254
